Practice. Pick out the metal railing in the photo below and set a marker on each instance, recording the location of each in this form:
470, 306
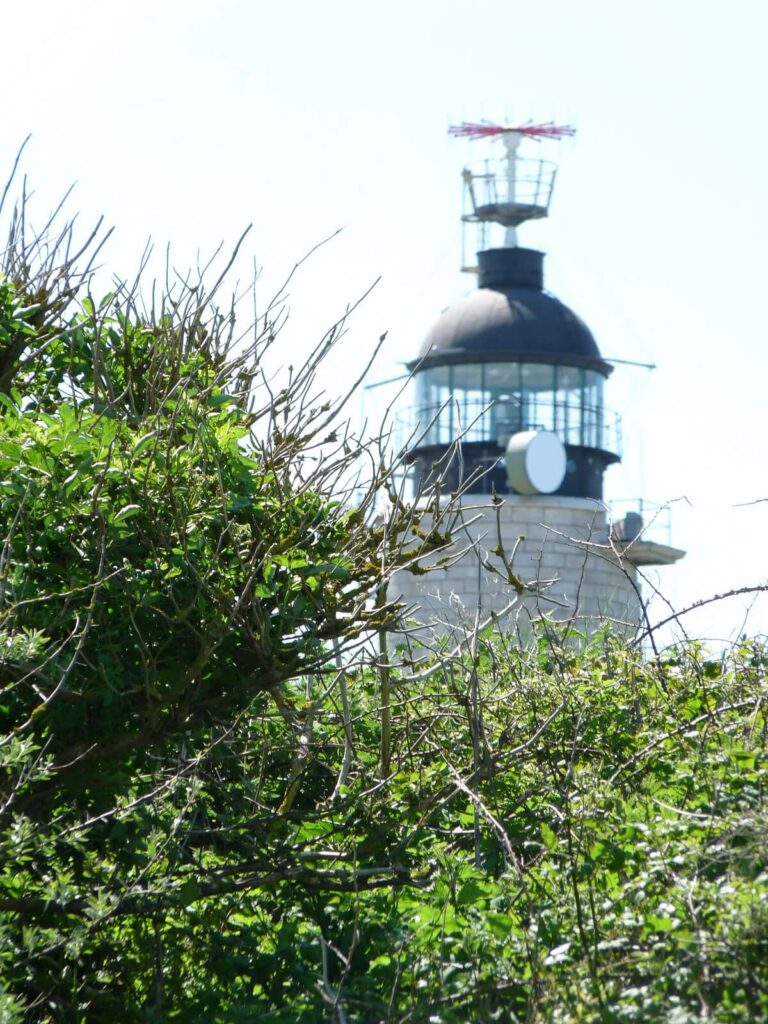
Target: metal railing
490, 187
636, 518
589, 426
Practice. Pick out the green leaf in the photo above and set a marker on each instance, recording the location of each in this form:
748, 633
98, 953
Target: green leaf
144, 442
188, 893
549, 837
126, 512
500, 925
471, 892
220, 399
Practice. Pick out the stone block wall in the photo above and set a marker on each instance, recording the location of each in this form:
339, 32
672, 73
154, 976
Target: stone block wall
558, 547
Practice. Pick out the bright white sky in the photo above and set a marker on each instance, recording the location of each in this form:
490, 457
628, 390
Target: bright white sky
185, 121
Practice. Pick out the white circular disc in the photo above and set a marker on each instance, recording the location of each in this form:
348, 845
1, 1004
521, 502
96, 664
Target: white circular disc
545, 462
536, 462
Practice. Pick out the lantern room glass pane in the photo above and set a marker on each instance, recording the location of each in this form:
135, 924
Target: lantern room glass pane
569, 403
487, 402
469, 401
504, 391
538, 396
594, 422
433, 391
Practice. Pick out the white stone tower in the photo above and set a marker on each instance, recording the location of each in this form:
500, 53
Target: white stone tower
516, 376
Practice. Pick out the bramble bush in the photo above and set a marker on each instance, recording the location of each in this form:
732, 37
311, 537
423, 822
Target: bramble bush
220, 801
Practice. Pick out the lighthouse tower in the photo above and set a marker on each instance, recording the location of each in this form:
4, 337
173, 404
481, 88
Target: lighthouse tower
509, 412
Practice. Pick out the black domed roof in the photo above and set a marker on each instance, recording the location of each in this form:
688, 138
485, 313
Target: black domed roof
510, 318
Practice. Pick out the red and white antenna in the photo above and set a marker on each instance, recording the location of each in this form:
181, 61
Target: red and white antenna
510, 194
487, 129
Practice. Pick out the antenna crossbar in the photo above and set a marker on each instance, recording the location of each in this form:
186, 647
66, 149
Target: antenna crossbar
487, 129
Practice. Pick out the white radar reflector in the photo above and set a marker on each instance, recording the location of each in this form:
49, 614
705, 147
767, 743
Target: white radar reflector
535, 462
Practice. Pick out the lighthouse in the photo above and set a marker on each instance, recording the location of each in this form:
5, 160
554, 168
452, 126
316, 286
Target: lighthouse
509, 413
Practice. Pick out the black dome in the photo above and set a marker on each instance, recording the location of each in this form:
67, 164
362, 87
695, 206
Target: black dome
510, 318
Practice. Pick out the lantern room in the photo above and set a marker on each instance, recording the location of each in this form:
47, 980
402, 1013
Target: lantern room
506, 360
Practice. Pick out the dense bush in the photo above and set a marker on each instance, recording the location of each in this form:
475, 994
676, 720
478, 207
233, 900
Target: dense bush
563, 836
175, 550
218, 802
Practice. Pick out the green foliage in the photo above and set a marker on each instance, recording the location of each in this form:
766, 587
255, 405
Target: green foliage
603, 859
169, 560
195, 823
175, 552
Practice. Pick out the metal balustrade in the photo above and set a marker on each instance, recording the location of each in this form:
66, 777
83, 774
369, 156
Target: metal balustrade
589, 426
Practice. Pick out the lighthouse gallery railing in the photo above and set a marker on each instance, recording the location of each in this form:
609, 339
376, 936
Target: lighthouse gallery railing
588, 426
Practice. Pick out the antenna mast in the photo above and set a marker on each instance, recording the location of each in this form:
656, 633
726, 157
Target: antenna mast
510, 191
